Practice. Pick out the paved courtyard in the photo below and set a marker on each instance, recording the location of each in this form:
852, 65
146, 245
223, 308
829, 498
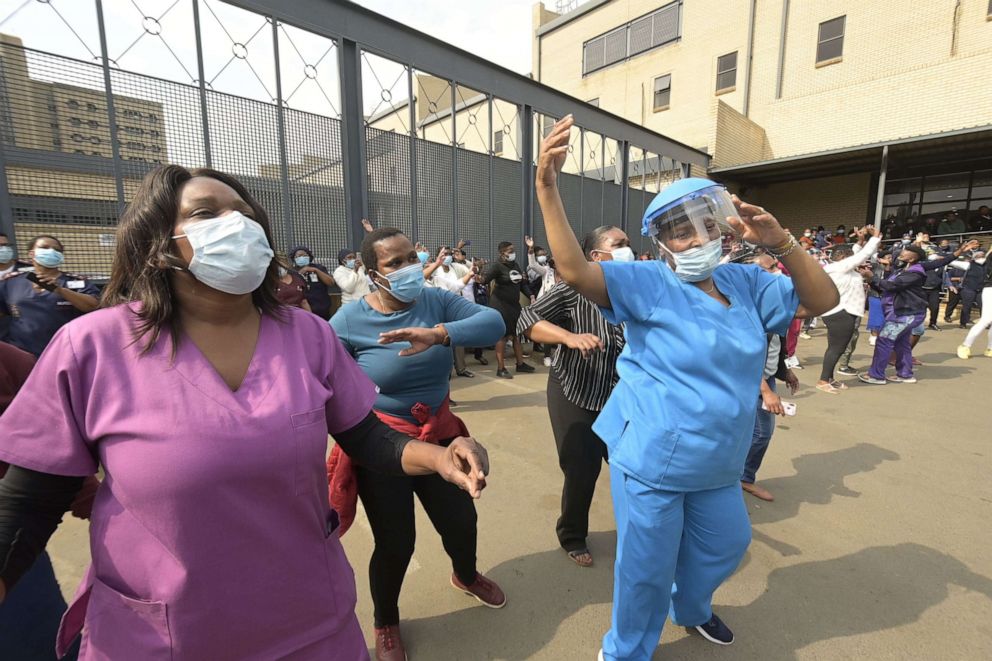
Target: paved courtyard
877, 546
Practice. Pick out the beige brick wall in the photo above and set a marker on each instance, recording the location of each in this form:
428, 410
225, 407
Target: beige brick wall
828, 201
736, 139
908, 69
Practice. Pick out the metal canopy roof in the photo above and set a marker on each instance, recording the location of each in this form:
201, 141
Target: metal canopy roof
972, 144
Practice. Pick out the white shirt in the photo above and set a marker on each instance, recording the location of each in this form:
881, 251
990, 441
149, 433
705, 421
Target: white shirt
9, 271
546, 273
354, 284
450, 280
849, 282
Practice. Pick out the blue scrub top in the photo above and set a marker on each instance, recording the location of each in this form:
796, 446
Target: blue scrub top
682, 415
36, 316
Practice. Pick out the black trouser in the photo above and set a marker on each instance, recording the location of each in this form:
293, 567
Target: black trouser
953, 298
388, 502
840, 329
580, 455
933, 304
969, 299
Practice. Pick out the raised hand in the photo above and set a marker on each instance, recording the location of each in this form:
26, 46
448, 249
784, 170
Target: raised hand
367, 224
757, 226
554, 148
529, 240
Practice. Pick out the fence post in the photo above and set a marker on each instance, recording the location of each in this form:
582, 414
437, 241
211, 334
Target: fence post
207, 155
287, 204
413, 154
454, 162
625, 183
115, 145
492, 157
527, 170
6, 208
353, 147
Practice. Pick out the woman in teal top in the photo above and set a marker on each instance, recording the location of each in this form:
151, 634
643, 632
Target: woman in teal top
678, 425
401, 335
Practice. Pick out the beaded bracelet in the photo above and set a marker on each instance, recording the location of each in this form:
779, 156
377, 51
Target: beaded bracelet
786, 250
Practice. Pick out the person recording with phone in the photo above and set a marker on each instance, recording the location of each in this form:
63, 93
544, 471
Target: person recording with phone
41, 301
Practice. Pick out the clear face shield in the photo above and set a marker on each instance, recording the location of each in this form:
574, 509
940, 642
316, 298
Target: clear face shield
694, 234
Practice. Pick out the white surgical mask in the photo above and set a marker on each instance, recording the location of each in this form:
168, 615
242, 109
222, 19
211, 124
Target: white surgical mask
230, 253
696, 264
511, 256
542, 259
624, 254
6, 254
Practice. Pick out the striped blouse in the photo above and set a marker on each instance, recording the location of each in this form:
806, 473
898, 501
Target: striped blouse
587, 383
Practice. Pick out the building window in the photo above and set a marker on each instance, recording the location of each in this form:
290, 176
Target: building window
498, 142
594, 102
662, 92
726, 72
660, 27
830, 43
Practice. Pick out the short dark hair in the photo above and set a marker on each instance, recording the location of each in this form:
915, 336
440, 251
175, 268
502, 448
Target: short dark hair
143, 257
503, 245
594, 239
369, 258
918, 251
33, 242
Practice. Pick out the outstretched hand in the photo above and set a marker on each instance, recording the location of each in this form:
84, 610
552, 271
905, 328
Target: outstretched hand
465, 463
367, 225
420, 339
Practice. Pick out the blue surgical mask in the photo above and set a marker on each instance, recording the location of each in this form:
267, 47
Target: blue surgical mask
50, 258
302, 260
423, 257
697, 264
6, 254
448, 260
349, 264
406, 284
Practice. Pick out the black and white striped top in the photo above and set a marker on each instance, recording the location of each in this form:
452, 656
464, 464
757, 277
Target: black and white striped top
587, 383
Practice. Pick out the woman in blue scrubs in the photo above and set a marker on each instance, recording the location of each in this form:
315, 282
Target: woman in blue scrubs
678, 425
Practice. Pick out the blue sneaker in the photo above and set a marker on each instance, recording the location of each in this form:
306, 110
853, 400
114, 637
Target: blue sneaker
714, 631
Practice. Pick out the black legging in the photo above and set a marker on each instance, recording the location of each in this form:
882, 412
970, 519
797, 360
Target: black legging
840, 329
933, 304
580, 455
388, 502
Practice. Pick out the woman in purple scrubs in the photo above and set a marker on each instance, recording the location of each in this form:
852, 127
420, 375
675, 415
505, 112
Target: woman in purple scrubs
208, 406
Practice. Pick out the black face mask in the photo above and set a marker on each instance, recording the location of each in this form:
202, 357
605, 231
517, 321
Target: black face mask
901, 264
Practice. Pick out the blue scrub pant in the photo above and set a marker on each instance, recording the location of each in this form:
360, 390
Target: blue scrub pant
674, 549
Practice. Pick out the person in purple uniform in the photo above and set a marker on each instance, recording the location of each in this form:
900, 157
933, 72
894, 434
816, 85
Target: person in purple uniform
207, 405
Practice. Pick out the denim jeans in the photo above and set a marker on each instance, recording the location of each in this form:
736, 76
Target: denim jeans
764, 427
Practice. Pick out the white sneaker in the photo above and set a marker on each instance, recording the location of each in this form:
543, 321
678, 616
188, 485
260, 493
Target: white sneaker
547, 361
805, 336
600, 657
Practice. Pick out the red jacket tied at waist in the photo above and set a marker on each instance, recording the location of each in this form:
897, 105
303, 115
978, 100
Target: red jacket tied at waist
341, 479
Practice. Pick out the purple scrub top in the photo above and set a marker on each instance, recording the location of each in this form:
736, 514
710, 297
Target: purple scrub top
211, 536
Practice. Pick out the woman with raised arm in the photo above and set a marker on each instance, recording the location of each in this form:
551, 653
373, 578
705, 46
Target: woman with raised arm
678, 424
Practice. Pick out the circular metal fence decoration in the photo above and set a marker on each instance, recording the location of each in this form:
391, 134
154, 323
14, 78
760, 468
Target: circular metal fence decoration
239, 50
310, 71
151, 25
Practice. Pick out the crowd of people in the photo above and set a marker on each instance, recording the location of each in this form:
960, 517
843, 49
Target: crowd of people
206, 346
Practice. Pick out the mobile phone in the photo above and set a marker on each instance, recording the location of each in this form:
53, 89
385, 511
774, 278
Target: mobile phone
33, 277
467, 243
788, 407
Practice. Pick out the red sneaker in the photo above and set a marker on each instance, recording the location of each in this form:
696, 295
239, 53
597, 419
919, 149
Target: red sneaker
486, 591
388, 644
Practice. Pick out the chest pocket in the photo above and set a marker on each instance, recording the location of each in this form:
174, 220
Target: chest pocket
310, 439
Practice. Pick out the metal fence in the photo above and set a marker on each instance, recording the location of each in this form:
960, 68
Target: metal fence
327, 112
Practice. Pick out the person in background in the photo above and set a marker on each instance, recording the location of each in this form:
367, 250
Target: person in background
541, 274
677, 424
905, 304
291, 288
582, 377
806, 240
843, 321
769, 403
981, 264
9, 264
444, 273
934, 277
350, 277
317, 278
970, 284
43, 300
876, 316
951, 224
952, 283
982, 220
412, 399
208, 406
508, 283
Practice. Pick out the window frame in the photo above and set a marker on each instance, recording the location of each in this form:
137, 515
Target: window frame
498, 139
820, 41
654, 93
719, 72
